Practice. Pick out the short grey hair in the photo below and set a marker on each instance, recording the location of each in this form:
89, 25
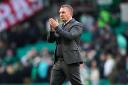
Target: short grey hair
68, 6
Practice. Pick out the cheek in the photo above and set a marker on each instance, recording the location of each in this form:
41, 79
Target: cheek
66, 16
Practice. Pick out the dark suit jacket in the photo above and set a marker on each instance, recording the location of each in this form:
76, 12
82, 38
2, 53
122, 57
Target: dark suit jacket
70, 39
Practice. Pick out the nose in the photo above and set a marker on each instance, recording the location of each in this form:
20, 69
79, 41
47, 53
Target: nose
60, 15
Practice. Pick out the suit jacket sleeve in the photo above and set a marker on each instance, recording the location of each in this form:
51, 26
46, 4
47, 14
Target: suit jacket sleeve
51, 37
76, 31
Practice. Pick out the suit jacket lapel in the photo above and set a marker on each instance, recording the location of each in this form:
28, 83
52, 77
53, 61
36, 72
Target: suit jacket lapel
68, 25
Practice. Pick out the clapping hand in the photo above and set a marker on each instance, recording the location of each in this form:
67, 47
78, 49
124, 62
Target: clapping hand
53, 24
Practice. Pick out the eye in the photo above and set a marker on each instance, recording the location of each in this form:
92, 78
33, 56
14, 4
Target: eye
63, 12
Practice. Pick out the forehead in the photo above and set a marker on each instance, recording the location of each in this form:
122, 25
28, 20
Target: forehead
63, 9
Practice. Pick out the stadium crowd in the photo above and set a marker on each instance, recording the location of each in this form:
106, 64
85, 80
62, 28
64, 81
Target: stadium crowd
104, 44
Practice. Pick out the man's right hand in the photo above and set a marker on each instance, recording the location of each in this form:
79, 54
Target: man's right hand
53, 24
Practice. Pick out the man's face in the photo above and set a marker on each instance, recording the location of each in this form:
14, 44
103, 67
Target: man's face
65, 14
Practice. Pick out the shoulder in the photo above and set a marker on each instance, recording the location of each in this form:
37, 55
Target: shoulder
74, 22
78, 23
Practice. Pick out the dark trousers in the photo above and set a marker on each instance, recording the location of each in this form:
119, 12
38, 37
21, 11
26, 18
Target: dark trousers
62, 71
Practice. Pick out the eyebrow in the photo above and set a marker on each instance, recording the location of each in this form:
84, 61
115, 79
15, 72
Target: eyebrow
61, 11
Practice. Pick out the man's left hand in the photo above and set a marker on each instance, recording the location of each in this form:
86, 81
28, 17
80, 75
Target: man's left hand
53, 23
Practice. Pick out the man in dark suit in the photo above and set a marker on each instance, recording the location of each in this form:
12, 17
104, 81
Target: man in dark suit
67, 53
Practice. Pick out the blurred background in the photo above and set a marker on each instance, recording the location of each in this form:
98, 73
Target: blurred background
26, 57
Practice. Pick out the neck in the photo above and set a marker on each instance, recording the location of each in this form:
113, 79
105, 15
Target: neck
68, 20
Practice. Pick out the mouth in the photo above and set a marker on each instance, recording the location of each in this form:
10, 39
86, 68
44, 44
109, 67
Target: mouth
61, 17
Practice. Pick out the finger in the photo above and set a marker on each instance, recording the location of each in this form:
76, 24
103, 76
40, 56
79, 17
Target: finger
52, 20
49, 22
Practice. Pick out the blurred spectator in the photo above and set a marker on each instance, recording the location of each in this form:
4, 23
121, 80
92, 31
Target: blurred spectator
102, 59
84, 72
103, 19
27, 59
41, 67
88, 21
122, 44
109, 65
3, 47
127, 63
126, 38
94, 73
27, 62
120, 73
